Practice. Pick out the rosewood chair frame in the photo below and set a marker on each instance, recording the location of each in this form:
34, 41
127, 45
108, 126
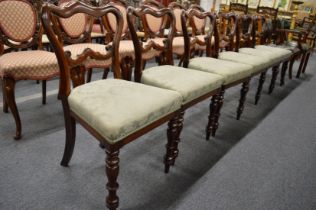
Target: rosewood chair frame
71, 69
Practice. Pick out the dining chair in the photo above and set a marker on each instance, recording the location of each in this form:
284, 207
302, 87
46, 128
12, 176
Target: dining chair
234, 73
178, 40
194, 86
75, 34
21, 33
114, 111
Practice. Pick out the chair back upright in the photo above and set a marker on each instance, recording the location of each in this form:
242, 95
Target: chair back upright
142, 46
69, 67
110, 20
75, 29
153, 26
207, 17
228, 32
271, 21
20, 24
246, 31
177, 11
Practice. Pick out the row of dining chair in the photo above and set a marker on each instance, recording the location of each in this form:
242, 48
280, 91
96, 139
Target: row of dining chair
117, 111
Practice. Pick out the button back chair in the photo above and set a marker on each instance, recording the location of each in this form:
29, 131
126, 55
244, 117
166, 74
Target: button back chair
194, 86
20, 31
114, 111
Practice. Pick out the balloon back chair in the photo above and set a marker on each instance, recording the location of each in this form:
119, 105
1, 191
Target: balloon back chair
114, 111
21, 33
126, 48
199, 30
75, 34
193, 85
178, 41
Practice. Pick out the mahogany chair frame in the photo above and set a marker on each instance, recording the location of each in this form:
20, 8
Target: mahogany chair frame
146, 25
273, 14
71, 69
169, 61
33, 43
213, 123
179, 32
85, 37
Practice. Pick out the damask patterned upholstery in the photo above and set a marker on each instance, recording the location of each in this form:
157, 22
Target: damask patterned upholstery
230, 71
121, 107
35, 65
75, 25
77, 49
269, 54
277, 51
258, 63
191, 84
17, 19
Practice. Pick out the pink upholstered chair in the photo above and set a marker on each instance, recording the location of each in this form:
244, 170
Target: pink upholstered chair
75, 34
20, 30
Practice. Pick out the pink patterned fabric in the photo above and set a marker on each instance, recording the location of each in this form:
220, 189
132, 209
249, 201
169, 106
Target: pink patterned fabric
154, 24
77, 49
178, 45
177, 13
199, 23
112, 18
17, 19
34, 65
75, 25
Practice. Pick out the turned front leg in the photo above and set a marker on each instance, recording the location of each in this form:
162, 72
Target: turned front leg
112, 170
211, 117
243, 93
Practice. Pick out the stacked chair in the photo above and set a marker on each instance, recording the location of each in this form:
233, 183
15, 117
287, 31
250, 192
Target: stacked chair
116, 111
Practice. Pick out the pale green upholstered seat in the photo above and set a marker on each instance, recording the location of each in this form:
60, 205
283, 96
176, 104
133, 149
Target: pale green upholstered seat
116, 108
230, 71
276, 58
258, 63
277, 51
191, 84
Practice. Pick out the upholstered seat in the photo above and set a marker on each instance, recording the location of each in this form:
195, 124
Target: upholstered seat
276, 50
121, 107
77, 49
230, 71
191, 84
258, 63
36, 65
268, 54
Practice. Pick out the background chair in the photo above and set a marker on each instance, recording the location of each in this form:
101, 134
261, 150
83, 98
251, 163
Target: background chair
21, 32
